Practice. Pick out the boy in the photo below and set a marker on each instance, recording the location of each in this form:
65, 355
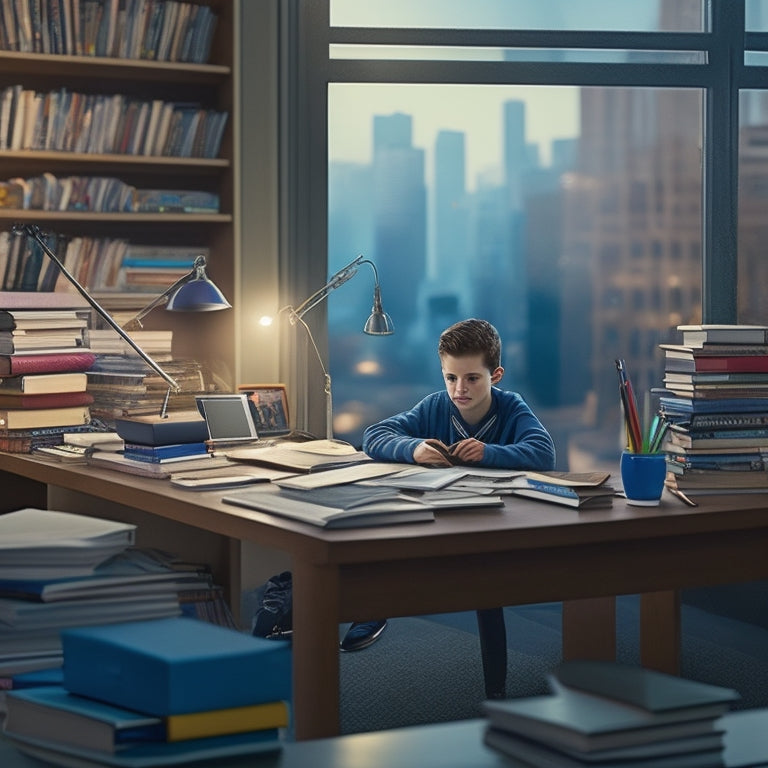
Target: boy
472, 420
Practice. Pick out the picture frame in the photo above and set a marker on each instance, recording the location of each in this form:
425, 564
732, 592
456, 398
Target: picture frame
269, 408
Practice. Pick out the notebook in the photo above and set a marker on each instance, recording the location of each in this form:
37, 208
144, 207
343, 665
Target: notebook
228, 419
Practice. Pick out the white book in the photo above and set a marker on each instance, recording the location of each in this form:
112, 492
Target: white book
32, 527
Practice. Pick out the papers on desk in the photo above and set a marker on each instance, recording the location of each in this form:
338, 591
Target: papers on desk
339, 506
310, 456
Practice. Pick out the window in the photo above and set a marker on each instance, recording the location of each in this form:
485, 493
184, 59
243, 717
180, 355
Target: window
492, 165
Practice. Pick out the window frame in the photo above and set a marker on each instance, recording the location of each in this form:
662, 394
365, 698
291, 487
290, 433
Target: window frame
308, 70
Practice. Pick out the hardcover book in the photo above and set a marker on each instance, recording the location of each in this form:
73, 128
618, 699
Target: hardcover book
175, 666
12, 365
44, 383
56, 715
44, 417
44, 401
178, 427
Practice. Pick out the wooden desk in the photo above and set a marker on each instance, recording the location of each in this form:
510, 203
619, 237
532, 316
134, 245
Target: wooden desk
525, 552
443, 745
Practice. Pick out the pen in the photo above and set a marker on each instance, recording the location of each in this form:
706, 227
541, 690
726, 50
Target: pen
630, 408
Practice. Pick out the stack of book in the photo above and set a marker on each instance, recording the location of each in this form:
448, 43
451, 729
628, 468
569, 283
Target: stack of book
123, 385
157, 447
167, 692
61, 570
715, 400
604, 713
43, 359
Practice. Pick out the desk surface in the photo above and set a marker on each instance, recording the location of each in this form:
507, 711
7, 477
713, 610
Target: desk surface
443, 745
524, 552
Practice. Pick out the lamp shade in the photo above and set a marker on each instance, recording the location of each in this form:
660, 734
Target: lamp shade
198, 295
379, 323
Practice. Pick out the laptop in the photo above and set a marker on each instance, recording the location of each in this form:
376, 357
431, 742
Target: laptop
228, 419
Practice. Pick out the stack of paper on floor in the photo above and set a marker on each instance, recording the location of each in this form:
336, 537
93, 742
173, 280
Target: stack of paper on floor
167, 692
615, 716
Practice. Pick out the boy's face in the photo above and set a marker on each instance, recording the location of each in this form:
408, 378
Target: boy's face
468, 383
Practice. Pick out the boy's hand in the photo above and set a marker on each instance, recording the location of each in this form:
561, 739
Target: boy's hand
426, 454
469, 450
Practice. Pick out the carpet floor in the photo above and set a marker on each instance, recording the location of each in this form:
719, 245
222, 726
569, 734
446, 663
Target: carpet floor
428, 669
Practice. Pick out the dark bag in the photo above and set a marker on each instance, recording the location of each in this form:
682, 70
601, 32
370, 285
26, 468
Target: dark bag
273, 617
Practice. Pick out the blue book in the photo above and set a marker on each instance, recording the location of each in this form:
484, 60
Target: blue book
163, 452
49, 712
182, 753
174, 666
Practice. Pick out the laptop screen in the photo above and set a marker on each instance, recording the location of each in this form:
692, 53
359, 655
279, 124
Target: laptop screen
228, 418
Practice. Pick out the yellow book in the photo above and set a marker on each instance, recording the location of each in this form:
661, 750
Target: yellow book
219, 722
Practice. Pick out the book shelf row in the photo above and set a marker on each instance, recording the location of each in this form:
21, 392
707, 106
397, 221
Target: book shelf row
69, 121
101, 194
103, 265
159, 30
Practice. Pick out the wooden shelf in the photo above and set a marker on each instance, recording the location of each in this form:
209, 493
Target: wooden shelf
79, 159
52, 65
11, 214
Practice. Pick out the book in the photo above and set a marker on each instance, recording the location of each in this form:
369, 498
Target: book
43, 383
107, 459
581, 497
343, 506
12, 365
159, 453
696, 335
607, 705
42, 544
16, 400
178, 427
213, 751
702, 751
44, 417
174, 666
256, 717
311, 456
50, 712
649, 689
717, 363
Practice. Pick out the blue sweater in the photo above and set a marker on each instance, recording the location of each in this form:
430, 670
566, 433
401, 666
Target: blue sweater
514, 437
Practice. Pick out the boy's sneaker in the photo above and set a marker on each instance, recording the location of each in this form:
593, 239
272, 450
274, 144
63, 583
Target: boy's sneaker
362, 634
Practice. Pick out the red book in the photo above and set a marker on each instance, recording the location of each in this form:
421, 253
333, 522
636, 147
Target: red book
49, 400
712, 363
13, 365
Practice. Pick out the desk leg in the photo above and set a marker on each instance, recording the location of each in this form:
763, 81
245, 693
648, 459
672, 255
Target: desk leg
589, 628
315, 651
660, 631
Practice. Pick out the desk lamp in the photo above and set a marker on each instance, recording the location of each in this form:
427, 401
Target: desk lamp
379, 322
193, 292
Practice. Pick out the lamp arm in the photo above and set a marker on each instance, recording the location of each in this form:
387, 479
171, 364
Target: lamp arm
335, 281
34, 232
135, 322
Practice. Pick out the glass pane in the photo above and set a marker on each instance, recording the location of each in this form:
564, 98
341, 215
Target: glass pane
478, 53
568, 217
756, 15
637, 15
753, 207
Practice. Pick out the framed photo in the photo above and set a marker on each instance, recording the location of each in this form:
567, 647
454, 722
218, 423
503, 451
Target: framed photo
269, 408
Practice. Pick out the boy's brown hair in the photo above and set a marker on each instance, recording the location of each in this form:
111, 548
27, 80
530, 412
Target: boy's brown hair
472, 337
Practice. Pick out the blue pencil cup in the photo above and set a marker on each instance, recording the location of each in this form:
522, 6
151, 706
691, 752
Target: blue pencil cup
642, 475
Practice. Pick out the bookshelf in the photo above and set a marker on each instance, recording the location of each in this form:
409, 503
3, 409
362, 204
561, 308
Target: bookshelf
210, 337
